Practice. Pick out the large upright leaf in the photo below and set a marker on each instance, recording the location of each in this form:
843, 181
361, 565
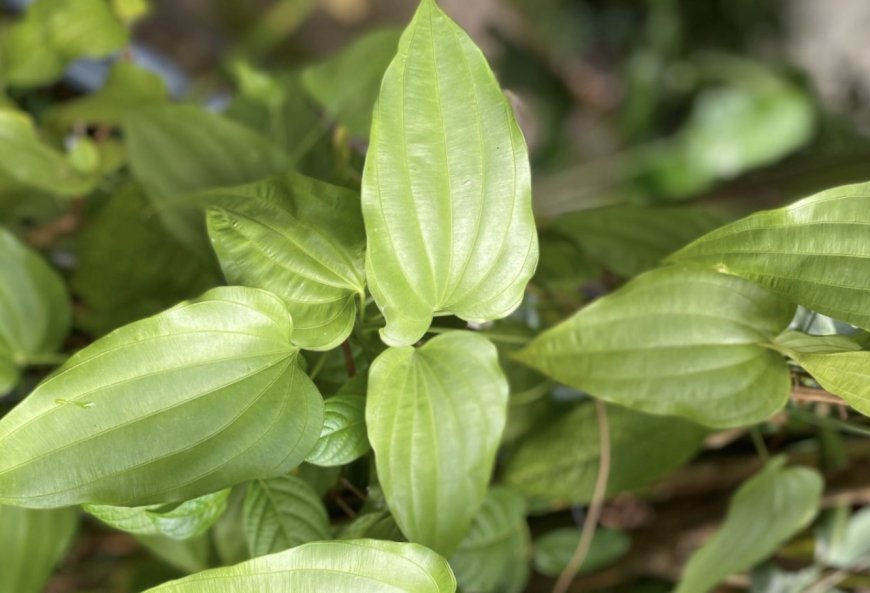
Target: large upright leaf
34, 308
31, 543
815, 251
281, 513
682, 341
301, 239
494, 555
435, 416
362, 566
558, 462
190, 401
765, 512
446, 193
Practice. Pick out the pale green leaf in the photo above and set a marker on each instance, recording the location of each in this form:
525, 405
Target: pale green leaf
854, 546
494, 555
301, 239
764, 513
130, 11
361, 566
193, 400
435, 416
446, 192
846, 374
29, 162
346, 85
376, 525
554, 550
343, 437
283, 513
795, 343
177, 521
559, 461
187, 555
31, 544
814, 252
681, 341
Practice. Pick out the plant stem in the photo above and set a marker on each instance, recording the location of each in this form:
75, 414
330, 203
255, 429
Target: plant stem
758, 442
349, 364
595, 507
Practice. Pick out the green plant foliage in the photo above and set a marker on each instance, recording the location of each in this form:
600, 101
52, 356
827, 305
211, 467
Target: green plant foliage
446, 188
842, 373
301, 239
494, 555
365, 566
282, 513
176, 521
34, 315
187, 555
554, 549
765, 512
343, 437
31, 543
558, 462
814, 252
435, 416
347, 85
679, 340
216, 377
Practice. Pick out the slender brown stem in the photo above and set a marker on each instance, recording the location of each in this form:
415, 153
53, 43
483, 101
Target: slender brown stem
595, 506
808, 394
349, 364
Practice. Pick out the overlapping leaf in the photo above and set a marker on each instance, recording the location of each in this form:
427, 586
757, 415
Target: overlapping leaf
301, 239
680, 341
814, 252
190, 401
282, 513
31, 543
362, 566
343, 437
435, 416
446, 190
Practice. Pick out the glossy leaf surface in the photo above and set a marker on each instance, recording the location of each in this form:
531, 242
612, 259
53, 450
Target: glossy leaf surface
203, 396
343, 437
362, 566
435, 416
301, 239
814, 252
679, 341
764, 513
446, 193
282, 513
32, 542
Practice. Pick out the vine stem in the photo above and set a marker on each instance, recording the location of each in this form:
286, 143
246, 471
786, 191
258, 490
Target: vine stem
349, 364
595, 506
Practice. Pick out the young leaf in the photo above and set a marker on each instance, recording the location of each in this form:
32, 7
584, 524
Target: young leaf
362, 566
184, 521
764, 513
31, 543
814, 252
846, 374
34, 308
679, 341
282, 513
558, 462
554, 549
494, 555
445, 193
343, 437
200, 397
301, 239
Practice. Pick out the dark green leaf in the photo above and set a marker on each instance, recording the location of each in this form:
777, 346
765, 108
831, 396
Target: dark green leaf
554, 550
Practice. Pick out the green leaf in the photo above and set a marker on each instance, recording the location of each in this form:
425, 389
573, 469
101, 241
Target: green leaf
283, 513
181, 521
31, 544
29, 162
187, 555
376, 525
343, 438
301, 239
558, 462
846, 374
362, 566
814, 252
679, 341
795, 343
554, 550
34, 308
854, 546
494, 555
435, 416
346, 85
764, 513
193, 400
446, 192
630, 239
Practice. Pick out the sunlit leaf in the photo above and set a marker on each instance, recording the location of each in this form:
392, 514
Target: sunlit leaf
343, 437
446, 190
31, 543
